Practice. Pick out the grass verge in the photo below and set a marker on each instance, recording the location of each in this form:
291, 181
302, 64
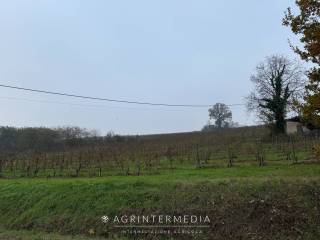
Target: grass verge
280, 202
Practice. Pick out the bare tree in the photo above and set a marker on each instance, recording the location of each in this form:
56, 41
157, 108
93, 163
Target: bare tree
221, 113
278, 84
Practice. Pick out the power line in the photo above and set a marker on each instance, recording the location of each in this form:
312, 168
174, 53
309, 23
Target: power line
86, 105
108, 99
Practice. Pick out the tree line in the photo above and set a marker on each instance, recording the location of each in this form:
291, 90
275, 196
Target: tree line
42, 139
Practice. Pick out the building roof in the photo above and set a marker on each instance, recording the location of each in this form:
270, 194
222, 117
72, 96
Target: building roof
294, 119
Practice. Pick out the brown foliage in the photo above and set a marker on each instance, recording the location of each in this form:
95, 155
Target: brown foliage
307, 25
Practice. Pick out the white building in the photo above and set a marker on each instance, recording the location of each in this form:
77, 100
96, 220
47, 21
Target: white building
294, 126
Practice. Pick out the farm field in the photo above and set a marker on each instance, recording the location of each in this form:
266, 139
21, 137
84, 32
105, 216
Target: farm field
160, 120
249, 202
155, 154
251, 185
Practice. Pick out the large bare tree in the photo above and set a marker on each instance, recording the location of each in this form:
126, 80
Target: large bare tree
278, 84
221, 113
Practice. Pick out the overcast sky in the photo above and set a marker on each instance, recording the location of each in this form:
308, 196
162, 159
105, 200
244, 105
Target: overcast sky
178, 52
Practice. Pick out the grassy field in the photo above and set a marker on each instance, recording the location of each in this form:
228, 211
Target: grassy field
244, 202
252, 186
37, 235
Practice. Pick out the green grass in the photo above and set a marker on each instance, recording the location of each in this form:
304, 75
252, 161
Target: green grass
191, 175
38, 235
243, 194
